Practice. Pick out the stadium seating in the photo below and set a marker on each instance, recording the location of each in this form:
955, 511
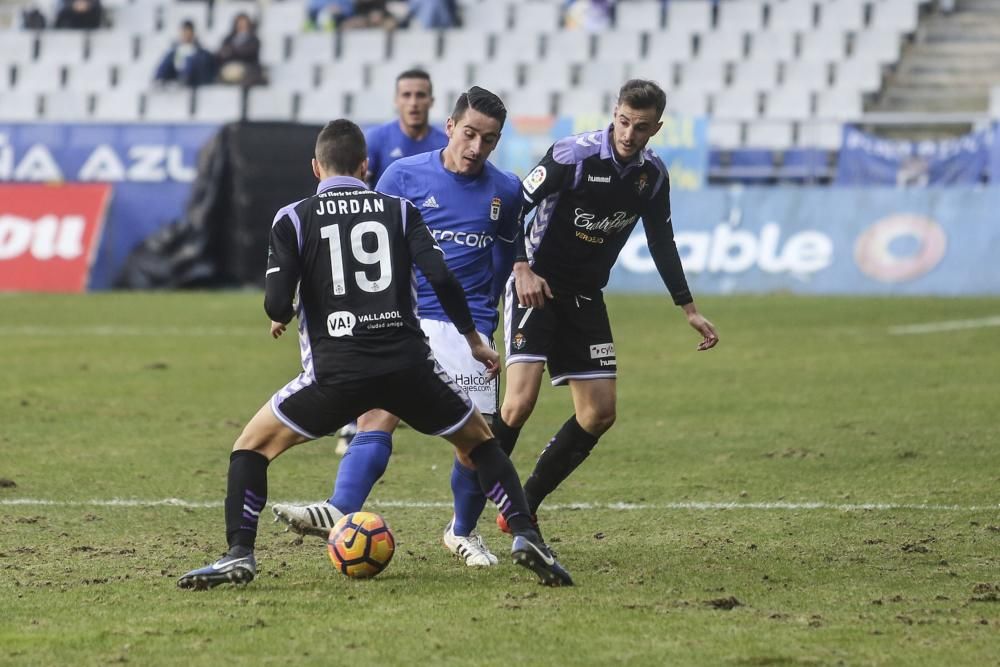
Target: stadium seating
773, 74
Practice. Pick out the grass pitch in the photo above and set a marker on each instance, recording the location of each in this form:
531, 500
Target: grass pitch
816, 491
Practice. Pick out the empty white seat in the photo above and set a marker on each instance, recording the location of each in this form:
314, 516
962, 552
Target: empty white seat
706, 75
171, 105
523, 44
451, 75
470, 45
16, 47
296, 76
773, 46
321, 106
639, 15
670, 47
555, 73
601, 74
725, 134
846, 15
995, 102
736, 104
89, 77
496, 75
360, 46
584, 101
619, 46
863, 75
371, 106
66, 106
281, 18
806, 74
6, 77
825, 46
771, 134
111, 46
414, 45
486, 15
899, 15
792, 15
662, 72
266, 104
689, 16
788, 104
746, 16
62, 46
118, 105
39, 76
177, 12
19, 106
218, 104
152, 49
139, 19
823, 134
572, 45
135, 76
728, 46
530, 101
882, 46
755, 75
536, 16
317, 47
338, 75
839, 104
688, 102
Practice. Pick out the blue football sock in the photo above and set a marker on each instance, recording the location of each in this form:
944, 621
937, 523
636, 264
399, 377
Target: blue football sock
469, 498
362, 466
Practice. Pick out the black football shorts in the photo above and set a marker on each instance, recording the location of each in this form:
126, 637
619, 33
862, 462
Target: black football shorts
424, 396
571, 334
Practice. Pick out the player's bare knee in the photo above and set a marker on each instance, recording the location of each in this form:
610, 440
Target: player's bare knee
597, 422
516, 411
378, 420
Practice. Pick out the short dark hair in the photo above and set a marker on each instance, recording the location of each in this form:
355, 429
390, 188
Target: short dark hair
187, 24
482, 101
643, 94
415, 74
340, 147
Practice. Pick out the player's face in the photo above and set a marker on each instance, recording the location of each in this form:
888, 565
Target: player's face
471, 140
413, 102
632, 129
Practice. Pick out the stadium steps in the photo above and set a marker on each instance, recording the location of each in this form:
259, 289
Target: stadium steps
950, 67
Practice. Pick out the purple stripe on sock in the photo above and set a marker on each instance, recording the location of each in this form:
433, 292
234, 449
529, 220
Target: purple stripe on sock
250, 517
260, 500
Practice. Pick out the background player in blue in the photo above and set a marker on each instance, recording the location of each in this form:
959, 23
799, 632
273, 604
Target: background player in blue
411, 133
473, 210
348, 254
590, 191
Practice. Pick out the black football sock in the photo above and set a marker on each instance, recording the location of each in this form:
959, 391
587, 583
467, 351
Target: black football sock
565, 451
499, 481
246, 495
505, 435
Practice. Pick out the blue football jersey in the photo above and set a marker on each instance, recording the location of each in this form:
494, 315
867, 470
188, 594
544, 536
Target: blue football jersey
387, 143
473, 218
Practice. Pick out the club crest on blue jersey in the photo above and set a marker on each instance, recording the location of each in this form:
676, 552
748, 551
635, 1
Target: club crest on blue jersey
495, 209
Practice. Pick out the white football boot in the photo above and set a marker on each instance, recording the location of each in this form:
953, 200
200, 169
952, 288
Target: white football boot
471, 549
315, 519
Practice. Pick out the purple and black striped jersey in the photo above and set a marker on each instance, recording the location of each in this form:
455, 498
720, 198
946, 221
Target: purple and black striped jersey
587, 204
350, 253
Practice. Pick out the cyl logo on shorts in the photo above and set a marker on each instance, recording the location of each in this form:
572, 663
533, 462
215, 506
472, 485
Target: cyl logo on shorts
602, 351
340, 323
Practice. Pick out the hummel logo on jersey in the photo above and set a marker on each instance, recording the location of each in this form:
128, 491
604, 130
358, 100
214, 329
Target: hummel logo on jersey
598, 179
430, 202
396, 153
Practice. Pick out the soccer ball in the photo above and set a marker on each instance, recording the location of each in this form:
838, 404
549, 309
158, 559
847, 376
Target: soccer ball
360, 544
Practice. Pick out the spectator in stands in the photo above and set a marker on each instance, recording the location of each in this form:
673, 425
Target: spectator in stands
239, 55
327, 13
434, 14
79, 14
589, 15
370, 14
187, 62
32, 17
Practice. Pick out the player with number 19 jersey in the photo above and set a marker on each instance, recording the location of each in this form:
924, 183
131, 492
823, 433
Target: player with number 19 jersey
357, 318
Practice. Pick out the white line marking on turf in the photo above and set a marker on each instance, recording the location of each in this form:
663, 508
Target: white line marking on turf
416, 504
947, 325
103, 330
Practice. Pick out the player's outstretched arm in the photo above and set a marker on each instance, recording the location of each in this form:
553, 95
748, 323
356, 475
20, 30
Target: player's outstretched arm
709, 337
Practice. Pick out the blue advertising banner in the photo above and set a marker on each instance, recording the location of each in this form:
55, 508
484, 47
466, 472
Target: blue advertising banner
941, 241
867, 160
150, 166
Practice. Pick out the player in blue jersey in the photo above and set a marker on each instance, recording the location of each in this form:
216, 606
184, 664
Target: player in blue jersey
473, 211
411, 133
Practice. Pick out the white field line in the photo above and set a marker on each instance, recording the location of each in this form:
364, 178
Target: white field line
563, 507
946, 325
125, 330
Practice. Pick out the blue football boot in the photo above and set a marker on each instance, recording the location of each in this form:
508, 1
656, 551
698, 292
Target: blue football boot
226, 570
